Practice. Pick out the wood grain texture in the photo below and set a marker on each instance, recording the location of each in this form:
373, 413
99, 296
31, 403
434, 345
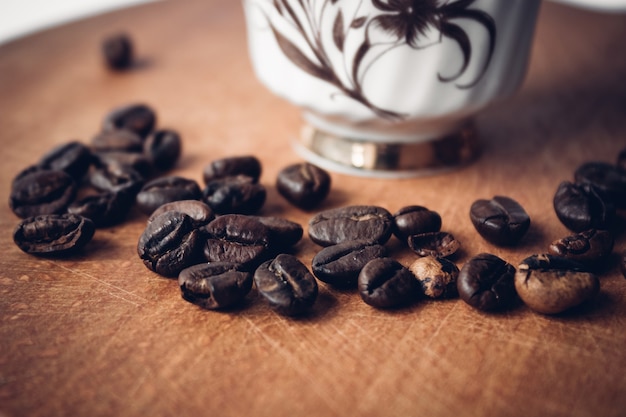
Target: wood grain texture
100, 335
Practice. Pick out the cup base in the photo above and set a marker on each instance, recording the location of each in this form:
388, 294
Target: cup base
359, 157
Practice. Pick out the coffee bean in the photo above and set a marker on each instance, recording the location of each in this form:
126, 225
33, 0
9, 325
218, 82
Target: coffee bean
581, 207
608, 178
138, 118
231, 167
164, 190
351, 223
116, 179
286, 284
236, 238
103, 209
386, 283
589, 247
163, 149
283, 233
340, 264
486, 282
42, 192
169, 244
501, 220
304, 185
214, 285
436, 276
200, 213
438, 244
234, 195
117, 141
119, 161
53, 234
74, 158
118, 51
415, 220
552, 284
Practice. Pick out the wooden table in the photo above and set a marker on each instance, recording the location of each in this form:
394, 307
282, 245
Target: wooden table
100, 335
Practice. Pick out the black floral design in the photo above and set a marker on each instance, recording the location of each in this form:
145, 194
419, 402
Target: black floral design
407, 21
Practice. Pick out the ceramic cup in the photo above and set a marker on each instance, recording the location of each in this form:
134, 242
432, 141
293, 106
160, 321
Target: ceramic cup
388, 88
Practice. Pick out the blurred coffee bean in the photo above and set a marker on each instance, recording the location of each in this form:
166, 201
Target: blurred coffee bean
340, 264
118, 52
138, 118
118, 140
385, 283
234, 195
74, 158
164, 190
608, 178
438, 244
41, 192
232, 166
589, 247
121, 160
163, 149
486, 282
334, 226
415, 220
283, 233
214, 285
116, 179
103, 209
304, 185
501, 220
582, 207
53, 234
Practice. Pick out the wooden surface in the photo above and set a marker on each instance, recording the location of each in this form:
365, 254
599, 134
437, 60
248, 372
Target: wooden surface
100, 335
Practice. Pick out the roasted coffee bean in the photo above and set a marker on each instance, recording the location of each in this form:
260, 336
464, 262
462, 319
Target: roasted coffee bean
53, 234
436, 276
386, 283
118, 140
608, 178
304, 185
236, 238
621, 160
74, 158
486, 282
286, 284
138, 118
118, 51
552, 284
116, 179
214, 285
103, 209
351, 223
581, 207
283, 233
42, 192
501, 220
415, 220
163, 149
340, 264
163, 190
589, 247
438, 244
200, 213
116, 161
232, 166
27, 171
234, 195
169, 244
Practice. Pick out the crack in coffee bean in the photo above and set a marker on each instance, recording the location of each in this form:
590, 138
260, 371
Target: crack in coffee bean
41, 192
283, 233
232, 166
486, 282
438, 244
501, 220
234, 195
53, 234
163, 148
343, 224
386, 283
581, 207
215, 285
200, 213
589, 247
340, 264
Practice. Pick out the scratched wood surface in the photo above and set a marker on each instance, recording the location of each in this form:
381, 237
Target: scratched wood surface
100, 335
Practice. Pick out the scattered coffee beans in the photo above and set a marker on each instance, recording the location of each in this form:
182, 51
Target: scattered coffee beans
608, 178
138, 118
118, 51
304, 185
163, 148
199, 212
415, 220
581, 207
501, 220
234, 195
386, 283
340, 264
214, 285
74, 158
551, 284
165, 190
436, 276
438, 244
41, 192
53, 234
233, 166
589, 247
287, 284
486, 282
351, 223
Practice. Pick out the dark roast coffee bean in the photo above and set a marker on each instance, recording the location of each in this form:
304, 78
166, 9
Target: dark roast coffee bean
116, 161
104, 209
501, 220
164, 190
53, 234
42, 192
200, 213
438, 244
214, 285
169, 244
234, 195
304, 185
236, 238
340, 264
552, 284
283, 233
436, 276
232, 166
385, 283
117, 141
138, 118
116, 179
118, 51
608, 178
163, 149
486, 282
581, 207
27, 171
415, 220
351, 223
621, 160
286, 284
589, 247
74, 158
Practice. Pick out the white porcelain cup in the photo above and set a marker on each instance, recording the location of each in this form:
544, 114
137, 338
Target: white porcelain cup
389, 87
